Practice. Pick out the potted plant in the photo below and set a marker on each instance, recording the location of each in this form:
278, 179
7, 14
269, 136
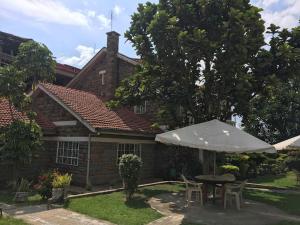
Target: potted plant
59, 183
22, 191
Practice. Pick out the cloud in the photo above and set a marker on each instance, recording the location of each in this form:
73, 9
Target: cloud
117, 10
85, 54
50, 11
286, 17
104, 21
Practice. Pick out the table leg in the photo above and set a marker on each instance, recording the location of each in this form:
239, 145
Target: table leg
214, 194
223, 193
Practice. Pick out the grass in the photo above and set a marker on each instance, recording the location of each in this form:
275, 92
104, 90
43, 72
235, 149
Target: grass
289, 203
8, 198
287, 223
11, 221
287, 180
112, 207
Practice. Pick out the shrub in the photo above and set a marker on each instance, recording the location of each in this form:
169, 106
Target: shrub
44, 185
229, 169
61, 181
293, 161
24, 186
129, 169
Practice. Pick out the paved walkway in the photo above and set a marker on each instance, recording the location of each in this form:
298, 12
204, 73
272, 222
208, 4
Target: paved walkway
39, 215
252, 213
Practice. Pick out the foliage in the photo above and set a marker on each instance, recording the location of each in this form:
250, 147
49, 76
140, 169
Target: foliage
274, 112
44, 185
195, 54
24, 186
36, 62
293, 161
229, 169
20, 139
61, 180
129, 168
111, 207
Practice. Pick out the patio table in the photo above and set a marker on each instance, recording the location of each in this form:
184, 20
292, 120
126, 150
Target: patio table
214, 180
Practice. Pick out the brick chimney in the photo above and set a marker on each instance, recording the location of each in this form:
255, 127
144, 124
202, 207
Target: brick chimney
113, 42
112, 64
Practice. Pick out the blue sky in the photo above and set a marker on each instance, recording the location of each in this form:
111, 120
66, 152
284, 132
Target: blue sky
74, 30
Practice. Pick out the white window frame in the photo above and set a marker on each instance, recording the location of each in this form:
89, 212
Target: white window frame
140, 109
102, 74
129, 148
67, 153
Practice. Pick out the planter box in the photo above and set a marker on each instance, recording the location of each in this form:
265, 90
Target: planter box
21, 196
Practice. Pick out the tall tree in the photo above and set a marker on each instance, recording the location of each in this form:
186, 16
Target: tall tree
36, 62
274, 113
196, 54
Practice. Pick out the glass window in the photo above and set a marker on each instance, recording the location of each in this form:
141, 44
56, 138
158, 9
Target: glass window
67, 153
129, 149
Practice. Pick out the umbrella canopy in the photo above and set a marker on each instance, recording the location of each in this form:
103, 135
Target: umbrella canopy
215, 136
289, 144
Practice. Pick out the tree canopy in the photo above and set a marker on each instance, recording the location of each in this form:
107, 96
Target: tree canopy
36, 62
274, 113
196, 54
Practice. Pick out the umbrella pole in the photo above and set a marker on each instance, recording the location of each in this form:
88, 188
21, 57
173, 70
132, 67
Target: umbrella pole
215, 156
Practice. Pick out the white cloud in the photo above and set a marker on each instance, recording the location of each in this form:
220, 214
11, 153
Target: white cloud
85, 54
104, 21
49, 11
288, 17
267, 3
117, 10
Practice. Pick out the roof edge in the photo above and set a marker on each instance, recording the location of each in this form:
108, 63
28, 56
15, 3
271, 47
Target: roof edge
61, 103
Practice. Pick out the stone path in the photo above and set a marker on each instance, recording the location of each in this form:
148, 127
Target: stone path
39, 215
252, 213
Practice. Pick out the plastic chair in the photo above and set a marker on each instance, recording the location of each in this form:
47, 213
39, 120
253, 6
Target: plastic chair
191, 187
236, 191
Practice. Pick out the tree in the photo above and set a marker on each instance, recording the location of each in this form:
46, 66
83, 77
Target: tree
129, 168
274, 113
196, 54
36, 62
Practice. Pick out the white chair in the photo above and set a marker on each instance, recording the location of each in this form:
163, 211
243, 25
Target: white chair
236, 191
192, 187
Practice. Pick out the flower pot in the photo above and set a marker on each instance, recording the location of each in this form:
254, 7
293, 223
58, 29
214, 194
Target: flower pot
57, 193
21, 196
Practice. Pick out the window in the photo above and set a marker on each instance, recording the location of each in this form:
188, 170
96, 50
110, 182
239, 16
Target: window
102, 76
67, 153
129, 149
140, 109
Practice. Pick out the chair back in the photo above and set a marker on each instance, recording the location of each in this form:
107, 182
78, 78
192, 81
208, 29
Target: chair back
186, 182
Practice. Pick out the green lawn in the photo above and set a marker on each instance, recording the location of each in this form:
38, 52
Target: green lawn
11, 221
113, 208
287, 180
289, 203
8, 198
287, 223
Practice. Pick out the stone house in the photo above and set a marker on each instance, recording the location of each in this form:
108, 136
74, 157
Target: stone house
83, 136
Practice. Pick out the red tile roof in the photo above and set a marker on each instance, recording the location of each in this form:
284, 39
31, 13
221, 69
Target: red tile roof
94, 111
6, 117
45, 123
5, 113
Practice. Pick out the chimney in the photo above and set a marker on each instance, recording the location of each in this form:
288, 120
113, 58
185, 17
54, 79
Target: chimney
113, 42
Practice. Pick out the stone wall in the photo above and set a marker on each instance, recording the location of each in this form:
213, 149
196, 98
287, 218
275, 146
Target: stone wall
104, 169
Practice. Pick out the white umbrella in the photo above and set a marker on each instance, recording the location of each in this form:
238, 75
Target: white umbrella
215, 136
289, 144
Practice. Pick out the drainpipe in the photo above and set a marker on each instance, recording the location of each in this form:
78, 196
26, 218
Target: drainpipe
88, 163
